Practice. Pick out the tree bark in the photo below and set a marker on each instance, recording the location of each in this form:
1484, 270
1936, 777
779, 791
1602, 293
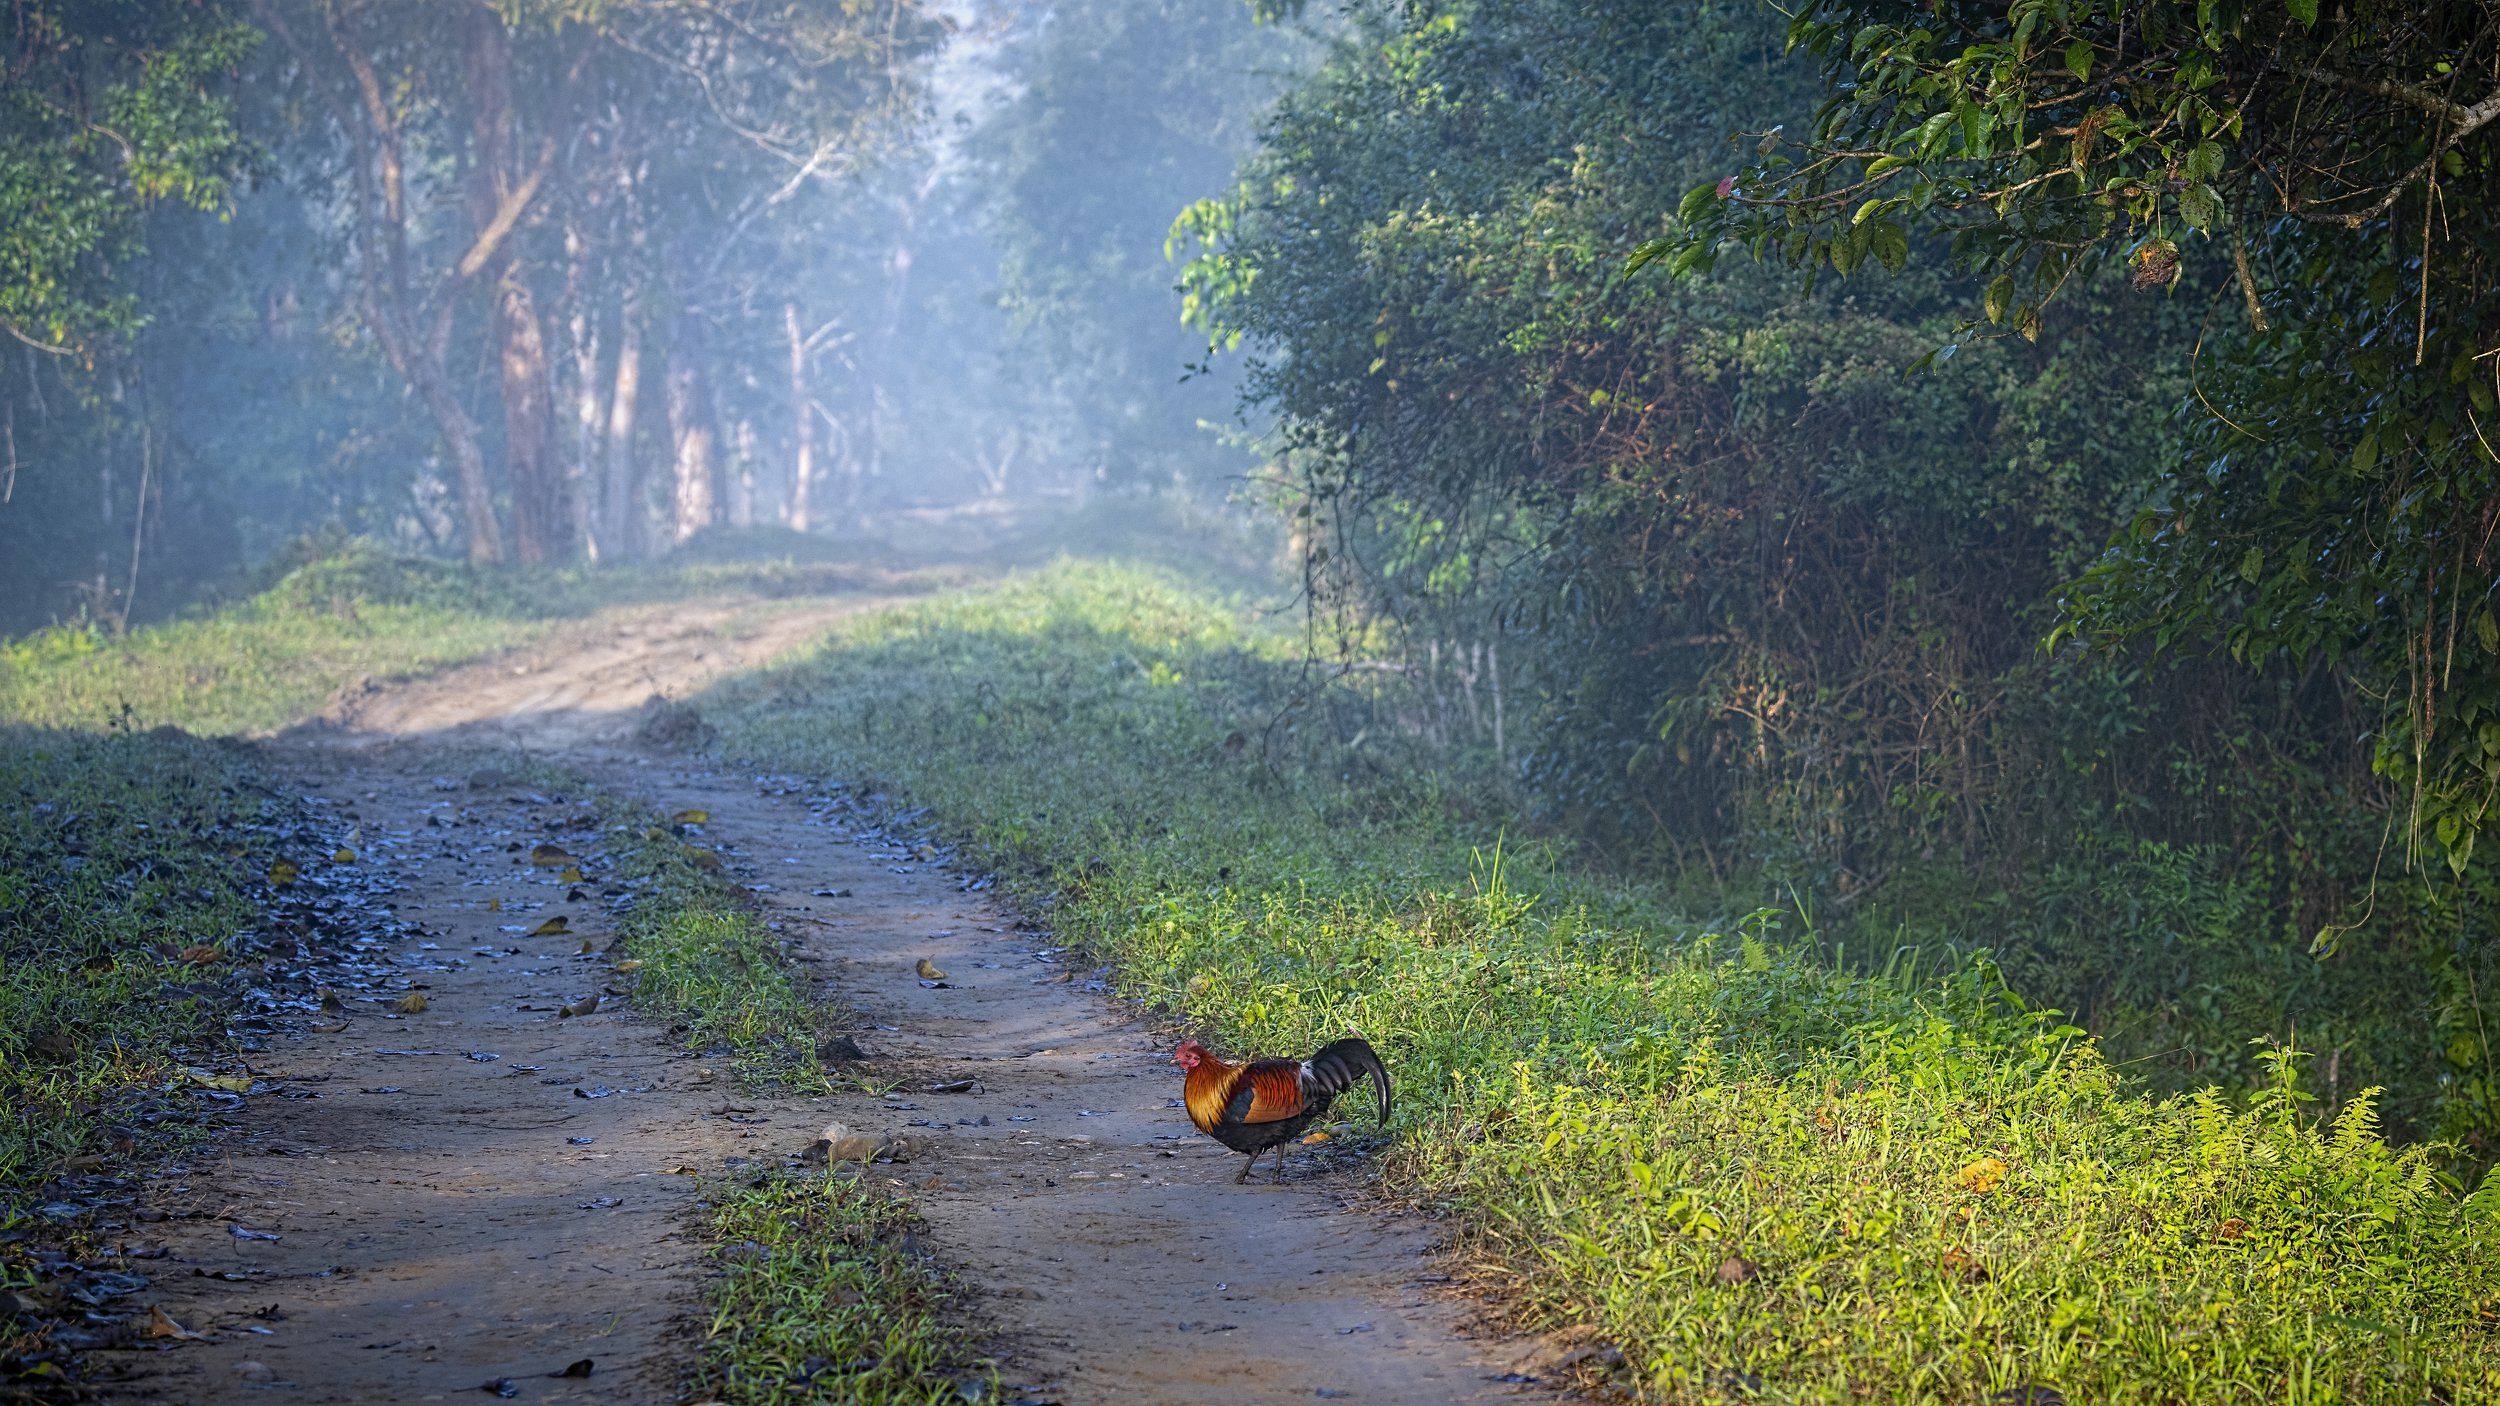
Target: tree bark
414, 338
621, 498
589, 413
691, 430
802, 422
542, 516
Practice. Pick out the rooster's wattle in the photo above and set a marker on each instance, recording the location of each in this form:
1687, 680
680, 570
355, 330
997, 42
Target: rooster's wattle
1268, 1102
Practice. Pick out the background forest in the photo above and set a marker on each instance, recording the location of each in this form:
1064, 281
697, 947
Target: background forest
1741, 569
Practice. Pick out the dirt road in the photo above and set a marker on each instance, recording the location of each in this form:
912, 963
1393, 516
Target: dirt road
484, 1193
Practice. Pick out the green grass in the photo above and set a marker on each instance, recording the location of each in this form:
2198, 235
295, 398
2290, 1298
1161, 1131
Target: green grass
126, 864
1697, 1139
824, 1295
711, 967
820, 1291
353, 611
268, 661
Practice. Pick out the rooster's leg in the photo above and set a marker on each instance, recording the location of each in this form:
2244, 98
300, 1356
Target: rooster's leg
1245, 1169
1280, 1164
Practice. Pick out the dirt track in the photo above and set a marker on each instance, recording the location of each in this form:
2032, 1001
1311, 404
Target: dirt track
441, 1228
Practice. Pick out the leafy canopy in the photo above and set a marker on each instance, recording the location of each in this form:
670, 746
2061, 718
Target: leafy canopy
107, 106
2339, 498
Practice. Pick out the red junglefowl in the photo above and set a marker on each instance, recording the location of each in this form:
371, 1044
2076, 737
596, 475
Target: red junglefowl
1268, 1102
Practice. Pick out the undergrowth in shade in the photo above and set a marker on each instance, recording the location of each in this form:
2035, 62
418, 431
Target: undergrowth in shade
1749, 1168
127, 865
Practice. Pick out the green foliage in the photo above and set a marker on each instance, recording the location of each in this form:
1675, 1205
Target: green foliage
1768, 567
110, 106
1123, 110
2333, 502
118, 854
1930, 1193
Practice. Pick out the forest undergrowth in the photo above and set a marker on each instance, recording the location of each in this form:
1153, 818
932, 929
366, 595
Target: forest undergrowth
1752, 1170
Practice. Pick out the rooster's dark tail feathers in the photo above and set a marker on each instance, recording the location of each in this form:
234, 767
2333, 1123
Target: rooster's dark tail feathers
1337, 1068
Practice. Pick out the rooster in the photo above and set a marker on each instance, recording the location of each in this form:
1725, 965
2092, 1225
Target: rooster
1268, 1102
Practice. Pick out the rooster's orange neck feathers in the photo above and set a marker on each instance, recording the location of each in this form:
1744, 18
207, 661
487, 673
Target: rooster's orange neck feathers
1206, 1090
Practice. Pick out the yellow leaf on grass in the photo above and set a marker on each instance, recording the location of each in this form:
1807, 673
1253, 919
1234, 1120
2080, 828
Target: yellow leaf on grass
691, 817
630, 964
703, 858
342, 855
1982, 1175
202, 955
282, 872
556, 926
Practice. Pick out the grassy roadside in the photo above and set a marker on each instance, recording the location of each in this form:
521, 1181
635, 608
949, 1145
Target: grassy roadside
125, 865
135, 871
820, 1291
1755, 1174
355, 612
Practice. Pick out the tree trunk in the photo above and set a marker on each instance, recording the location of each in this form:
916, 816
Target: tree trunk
589, 414
542, 511
691, 430
621, 497
802, 422
541, 515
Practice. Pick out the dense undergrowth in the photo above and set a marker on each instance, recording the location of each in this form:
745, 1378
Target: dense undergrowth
1751, 1169
127, 863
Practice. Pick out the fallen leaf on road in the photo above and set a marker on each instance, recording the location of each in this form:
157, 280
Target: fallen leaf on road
330, 1000
680, 1170
161, 1325
691, 817
957, 1086
587, 948
282, 873
578, 1369
556, 926
588, 1005
841, 1144
925, 853
230, 1083
411, 1004
342, 855
551, 857
246, 1233
929, 971
201, 955
572, 875
494, 905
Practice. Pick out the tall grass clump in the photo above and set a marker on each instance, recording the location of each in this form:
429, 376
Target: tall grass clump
1755, 1173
